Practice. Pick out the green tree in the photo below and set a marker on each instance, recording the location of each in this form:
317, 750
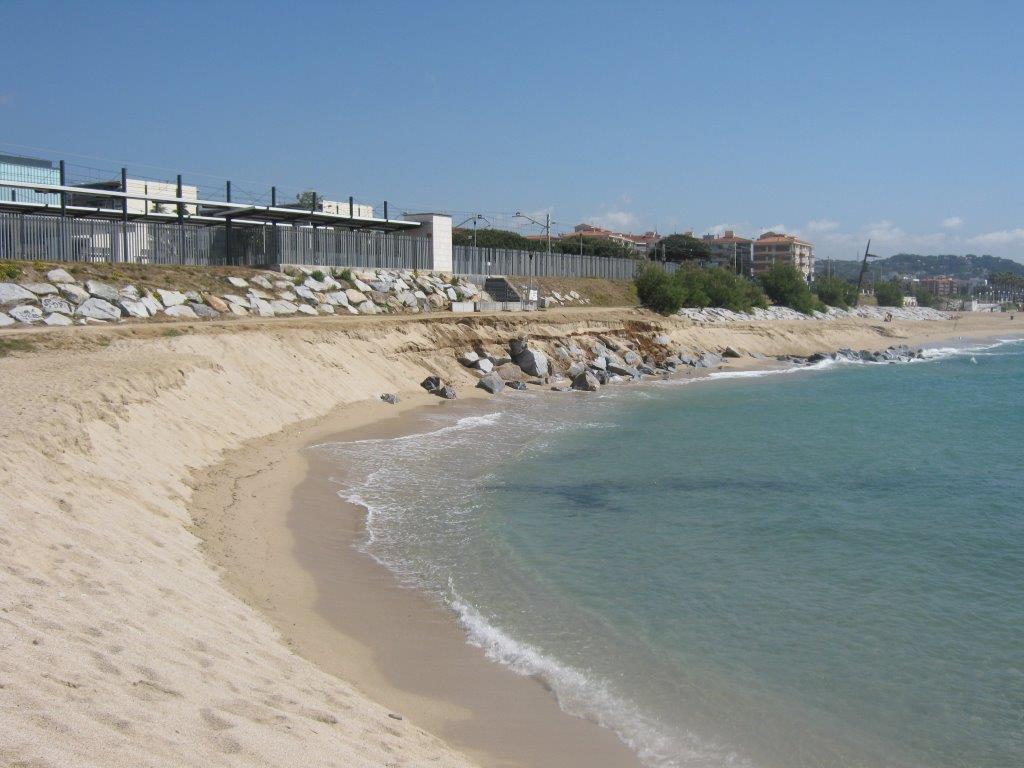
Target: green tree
835, 291
927, 298
785, 285
684, 247
487, 237
592, 246
307, 199
889, 295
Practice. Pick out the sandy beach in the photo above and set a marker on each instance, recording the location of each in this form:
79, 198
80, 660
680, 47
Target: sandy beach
178, 581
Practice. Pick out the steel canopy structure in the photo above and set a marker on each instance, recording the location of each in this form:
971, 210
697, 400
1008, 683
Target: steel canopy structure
212, 212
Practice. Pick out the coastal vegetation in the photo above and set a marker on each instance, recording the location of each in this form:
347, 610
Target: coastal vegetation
836, 292
785, 285
888, 295
690, 286
571, 243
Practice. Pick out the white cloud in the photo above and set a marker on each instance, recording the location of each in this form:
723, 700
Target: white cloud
615, 220
1000, 237
952, 222
718, 229
822, 225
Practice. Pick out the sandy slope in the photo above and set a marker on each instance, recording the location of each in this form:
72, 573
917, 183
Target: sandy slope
118, 643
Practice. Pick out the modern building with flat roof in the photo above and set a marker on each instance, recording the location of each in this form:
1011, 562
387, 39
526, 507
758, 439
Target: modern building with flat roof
29, 170
773, 248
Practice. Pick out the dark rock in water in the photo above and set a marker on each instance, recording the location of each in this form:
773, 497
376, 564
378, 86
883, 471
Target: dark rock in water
622, 370
817, 357
431, 383
492, 383
649, 370
866, 356
601, 376
447, 392
517, 385
730, 352
708, 360
585, 381
389, 398
533, 362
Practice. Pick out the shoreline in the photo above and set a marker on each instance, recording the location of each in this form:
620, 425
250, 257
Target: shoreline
127, 641
393, 642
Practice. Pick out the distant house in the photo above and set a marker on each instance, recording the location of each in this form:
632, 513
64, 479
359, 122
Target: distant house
31, 170
940, 286
642, 244
731, 252
773, 248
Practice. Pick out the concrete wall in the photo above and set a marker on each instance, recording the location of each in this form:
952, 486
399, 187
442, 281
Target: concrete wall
437, 228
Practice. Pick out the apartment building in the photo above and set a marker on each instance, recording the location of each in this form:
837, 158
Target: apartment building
29, 170
730, 251
776, 248
642, 244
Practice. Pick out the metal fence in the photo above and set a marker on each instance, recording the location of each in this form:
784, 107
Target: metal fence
467, 260
326, 246
36, 237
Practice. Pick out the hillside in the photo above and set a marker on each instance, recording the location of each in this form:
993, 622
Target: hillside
962, 267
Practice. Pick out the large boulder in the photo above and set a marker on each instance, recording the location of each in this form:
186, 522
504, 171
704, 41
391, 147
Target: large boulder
599, 363
577, 368
56, 304
662, 340
26, 313
390, 398
56, 318
355, 297
238, 282
369, 308
40, 289
6, 320
202, 310
517, 385
730, 352
151, 303
631, 358
518, 345
134, 308
447, 392
282, 307
469, 358
181, 311
101, 290
485, 365
98, 309
72, 291
533, 362
59, 276
216, 302
431, 383
491, 382
171, 298
622, 369
306, 309
12, 293
585, 381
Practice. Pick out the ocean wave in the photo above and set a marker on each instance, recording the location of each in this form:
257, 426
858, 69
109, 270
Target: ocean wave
586, 696
466, 422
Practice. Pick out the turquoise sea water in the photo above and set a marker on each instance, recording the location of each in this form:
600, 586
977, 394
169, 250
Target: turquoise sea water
813, 568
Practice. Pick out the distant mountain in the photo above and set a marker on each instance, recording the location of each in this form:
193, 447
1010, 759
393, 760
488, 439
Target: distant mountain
962, 267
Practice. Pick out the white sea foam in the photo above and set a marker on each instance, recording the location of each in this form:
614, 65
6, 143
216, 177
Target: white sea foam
585, 696
467, 422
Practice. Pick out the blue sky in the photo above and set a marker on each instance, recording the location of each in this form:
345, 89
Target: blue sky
837, 121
